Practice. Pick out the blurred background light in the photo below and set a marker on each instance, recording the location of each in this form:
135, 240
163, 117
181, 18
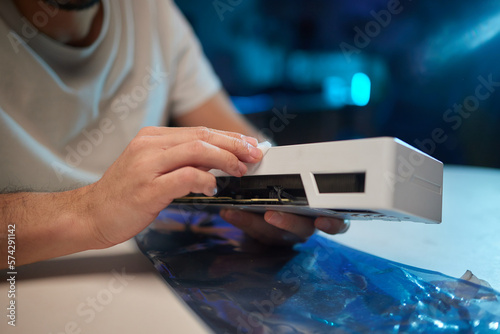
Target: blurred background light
336, 91
404, 81
361, 89
456, 39
253, 104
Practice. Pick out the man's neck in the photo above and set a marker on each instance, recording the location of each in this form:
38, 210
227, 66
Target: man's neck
76, 28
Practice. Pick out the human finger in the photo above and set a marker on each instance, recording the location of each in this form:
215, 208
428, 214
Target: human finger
332, 225
301, 226
186, 180
198, 130
243, 147
255, 226
200, 154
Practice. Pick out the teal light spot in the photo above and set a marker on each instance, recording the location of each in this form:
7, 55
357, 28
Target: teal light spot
336, 91
361, 86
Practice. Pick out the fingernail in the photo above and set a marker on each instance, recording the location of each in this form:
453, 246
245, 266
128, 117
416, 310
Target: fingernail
275, 218
215, 191
255, 152
242, 167
347, 224
251, 140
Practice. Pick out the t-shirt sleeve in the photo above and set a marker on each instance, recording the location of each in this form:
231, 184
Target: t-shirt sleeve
194, 81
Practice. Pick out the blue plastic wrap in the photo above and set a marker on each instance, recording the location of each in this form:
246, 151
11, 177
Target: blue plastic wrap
237, 285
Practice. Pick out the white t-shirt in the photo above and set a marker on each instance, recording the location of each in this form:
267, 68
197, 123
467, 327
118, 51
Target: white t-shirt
67, 113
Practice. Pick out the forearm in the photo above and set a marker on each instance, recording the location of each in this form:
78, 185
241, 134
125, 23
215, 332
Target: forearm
47, 225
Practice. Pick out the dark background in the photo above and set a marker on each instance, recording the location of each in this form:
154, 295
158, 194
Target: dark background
423, 58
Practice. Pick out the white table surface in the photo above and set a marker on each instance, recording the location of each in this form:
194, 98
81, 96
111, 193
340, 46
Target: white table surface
56, 296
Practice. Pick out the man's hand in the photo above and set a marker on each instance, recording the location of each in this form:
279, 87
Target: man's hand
282, 228
159, 165
275, 228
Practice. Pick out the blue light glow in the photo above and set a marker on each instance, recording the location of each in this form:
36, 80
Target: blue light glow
335, 91
361, 86
253, 104
455, 41
482, 33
